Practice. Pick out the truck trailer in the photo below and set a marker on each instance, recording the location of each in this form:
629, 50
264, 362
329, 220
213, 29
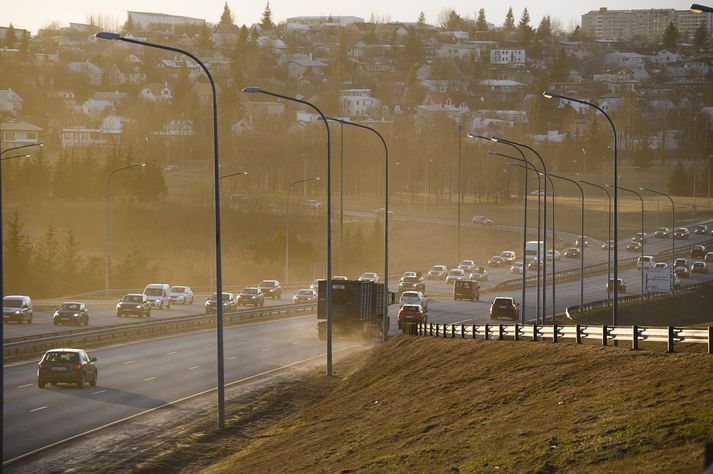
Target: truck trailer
357, 308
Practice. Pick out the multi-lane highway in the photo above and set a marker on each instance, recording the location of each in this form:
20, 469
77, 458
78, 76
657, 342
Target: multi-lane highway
139, 376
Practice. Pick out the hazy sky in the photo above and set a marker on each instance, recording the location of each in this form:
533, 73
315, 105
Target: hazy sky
34, 14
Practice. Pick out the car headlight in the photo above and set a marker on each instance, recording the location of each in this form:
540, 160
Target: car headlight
56, 314
76, 315
18, 312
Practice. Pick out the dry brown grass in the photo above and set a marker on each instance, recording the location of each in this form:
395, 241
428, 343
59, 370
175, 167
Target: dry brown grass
433, 405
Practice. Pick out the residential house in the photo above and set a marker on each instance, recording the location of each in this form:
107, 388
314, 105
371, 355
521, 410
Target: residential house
358, 103
89, 69
10, 102
174, 68
20, 133
297, 68
428, 113
625, 59
507, 56
94, 107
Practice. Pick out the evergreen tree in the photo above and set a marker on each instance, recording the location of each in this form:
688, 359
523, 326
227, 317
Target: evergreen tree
128, 26
266, 19
17, 257
524, 29
25, 45
69, 264
226, 18
133, 271
44, 264
544, 29
576, 34
678, 180
205, 41
10, 38
670, 36
509, 23
700, 37
481, 24
413, 53
421, 19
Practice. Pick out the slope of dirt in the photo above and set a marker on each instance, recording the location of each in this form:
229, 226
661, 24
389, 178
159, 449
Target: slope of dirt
434, 405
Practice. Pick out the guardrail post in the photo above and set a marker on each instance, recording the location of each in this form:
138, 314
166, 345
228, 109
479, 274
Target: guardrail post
635, 338
710, 340
578, 334
487, 331
445, 330
708, 456
453, 331
669, 348
605, 335
554, 332
500, 332
438, 329
517, 332
534, 332
462, 331
473, 331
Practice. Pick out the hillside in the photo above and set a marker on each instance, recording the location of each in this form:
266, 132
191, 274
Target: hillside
433, 405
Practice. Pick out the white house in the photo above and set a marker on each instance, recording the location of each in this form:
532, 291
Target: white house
507, 56
358, 103
10, 102
19, 133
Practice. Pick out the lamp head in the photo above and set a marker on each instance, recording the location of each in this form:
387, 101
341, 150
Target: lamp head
108, 35
316, 178
551, 95
251, 90
696, 8
143, 165
495, 139
641, 189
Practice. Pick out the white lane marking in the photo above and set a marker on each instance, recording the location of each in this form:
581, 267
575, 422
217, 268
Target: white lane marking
231, 358
207, 345
129, 362
243, 339
171, 353
38, 409
168, 404
150, 379
194, 367
265, 349
296, 342
98, 392
26, 385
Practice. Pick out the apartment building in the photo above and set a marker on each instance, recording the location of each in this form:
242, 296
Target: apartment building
605, 24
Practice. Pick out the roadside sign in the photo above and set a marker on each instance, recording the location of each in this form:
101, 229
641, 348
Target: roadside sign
658, 280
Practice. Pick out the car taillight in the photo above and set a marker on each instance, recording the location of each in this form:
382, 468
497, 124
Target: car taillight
77, 366
41, 365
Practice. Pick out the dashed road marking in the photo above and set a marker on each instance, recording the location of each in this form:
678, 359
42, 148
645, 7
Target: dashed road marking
233, 357
150, 379
38, 409
129, 362
171, 353
265, 349
296, 342
194, 367
26, 385
98, 392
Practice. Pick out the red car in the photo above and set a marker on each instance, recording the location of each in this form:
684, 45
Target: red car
412, 313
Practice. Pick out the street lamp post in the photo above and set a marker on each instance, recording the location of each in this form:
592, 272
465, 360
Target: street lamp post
696, 8
460, 128
385, 329
426, 195
582, 241
615, 307
216, 181
287, 224
106, 220
673, 223
642, 237
609, 245
2, 267
257, 90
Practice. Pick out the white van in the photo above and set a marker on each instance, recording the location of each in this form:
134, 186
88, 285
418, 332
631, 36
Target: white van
159, 295
531, 248
646, 261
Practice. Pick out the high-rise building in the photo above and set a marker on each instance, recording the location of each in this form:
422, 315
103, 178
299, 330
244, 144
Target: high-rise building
605, 24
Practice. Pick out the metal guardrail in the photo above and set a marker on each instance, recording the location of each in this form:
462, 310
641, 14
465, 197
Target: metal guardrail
36, 344
556, 332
